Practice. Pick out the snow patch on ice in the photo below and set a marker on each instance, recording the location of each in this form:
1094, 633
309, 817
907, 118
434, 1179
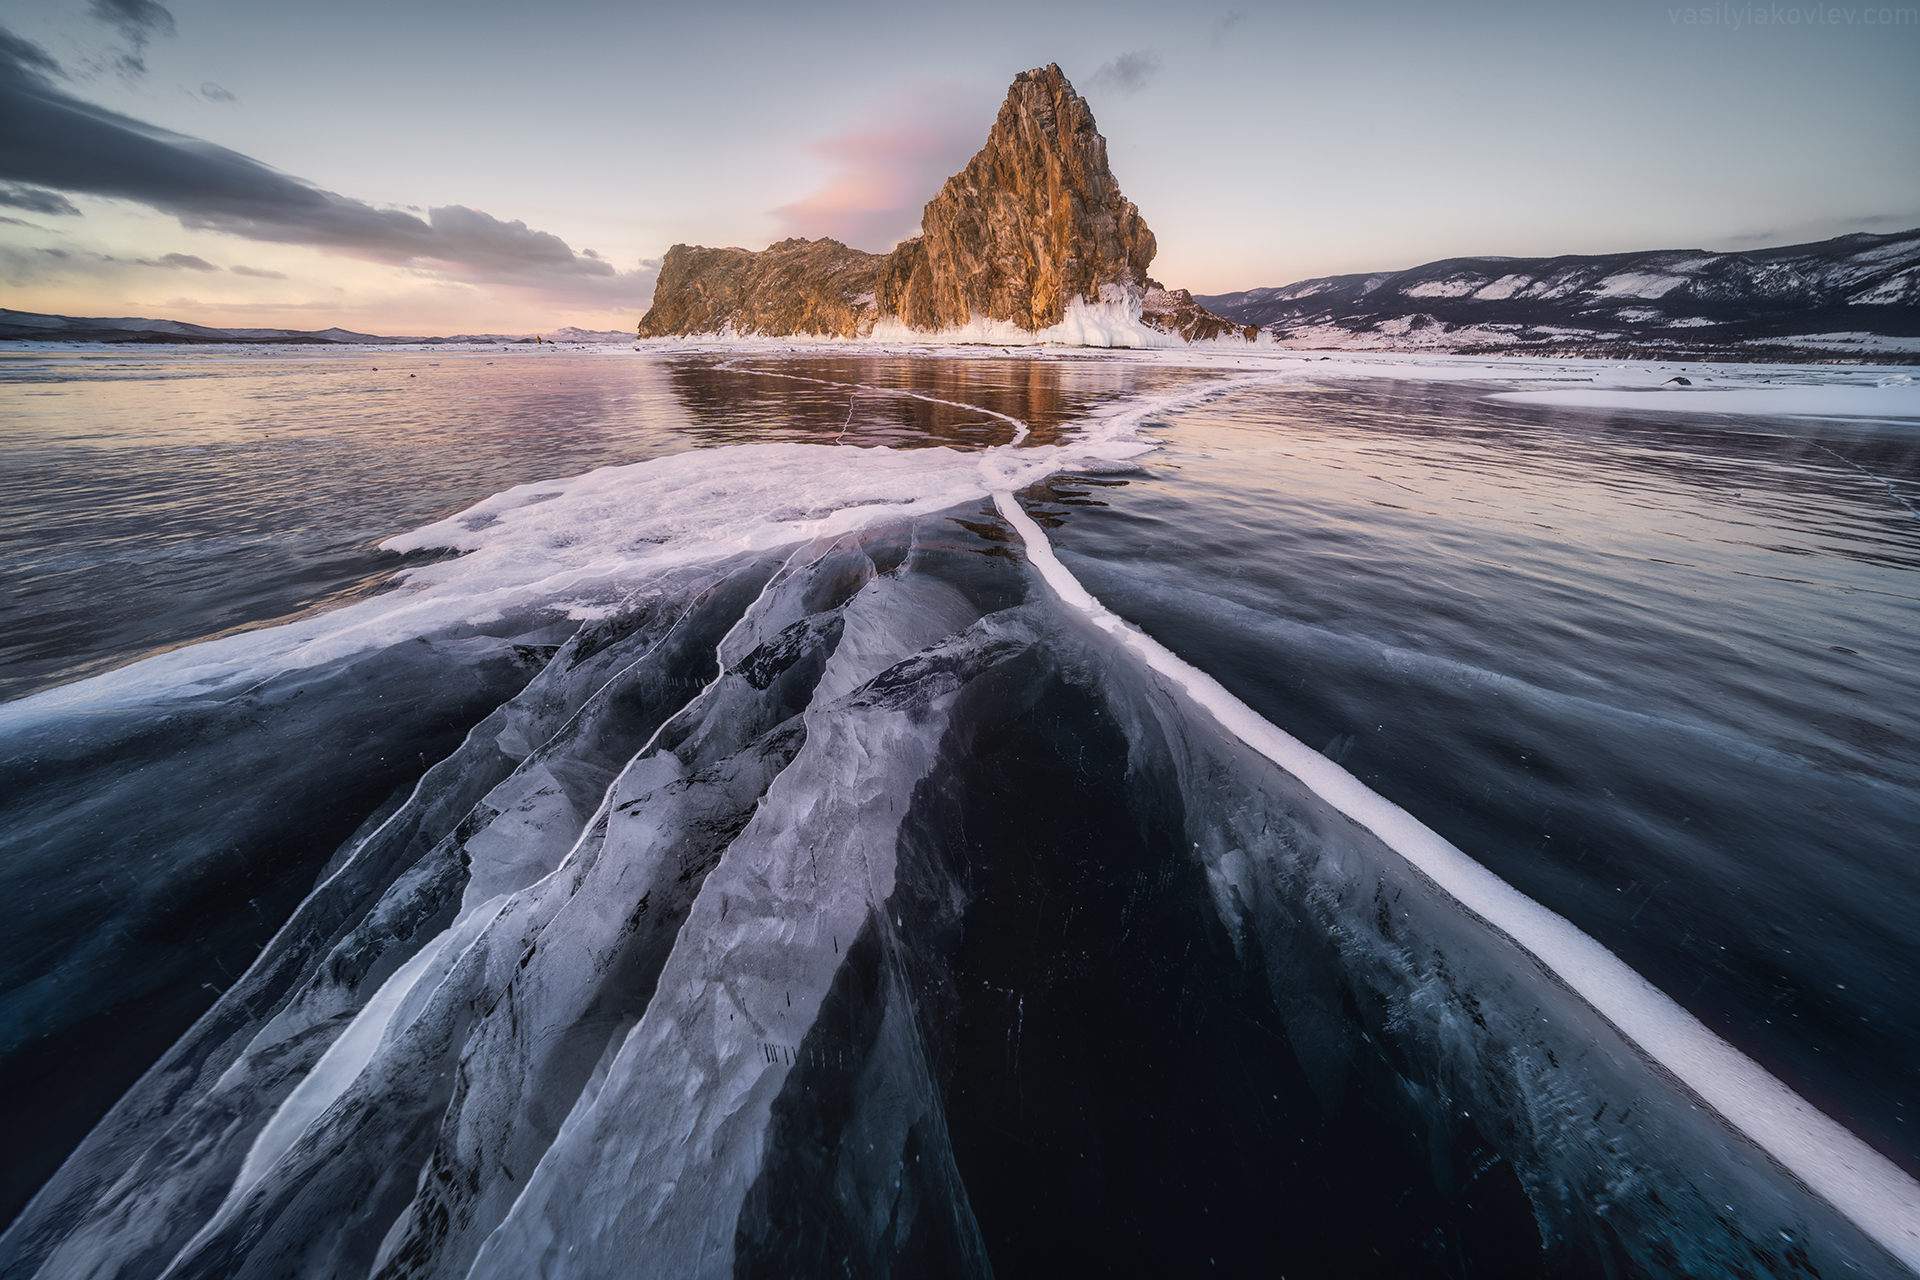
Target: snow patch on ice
1877, 401
1113, 321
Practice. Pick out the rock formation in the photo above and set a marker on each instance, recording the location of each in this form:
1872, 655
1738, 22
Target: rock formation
797, 286
1034, 221
1175, 311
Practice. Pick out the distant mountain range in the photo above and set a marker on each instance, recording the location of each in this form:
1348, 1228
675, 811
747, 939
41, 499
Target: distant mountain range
34, 326
1858, 293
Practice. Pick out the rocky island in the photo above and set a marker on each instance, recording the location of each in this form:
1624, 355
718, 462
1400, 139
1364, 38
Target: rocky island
1033, 239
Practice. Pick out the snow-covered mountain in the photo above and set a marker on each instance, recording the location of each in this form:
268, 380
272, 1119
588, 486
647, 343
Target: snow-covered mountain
50, 328
1860, 291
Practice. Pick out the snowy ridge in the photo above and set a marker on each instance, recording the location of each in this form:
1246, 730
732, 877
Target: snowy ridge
1864, 283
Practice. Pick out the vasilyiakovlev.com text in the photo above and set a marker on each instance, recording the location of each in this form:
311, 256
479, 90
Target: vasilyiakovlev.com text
1726, 15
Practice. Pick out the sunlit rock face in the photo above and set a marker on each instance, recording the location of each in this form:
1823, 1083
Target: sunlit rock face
1175, 311
1034, 221
816, 287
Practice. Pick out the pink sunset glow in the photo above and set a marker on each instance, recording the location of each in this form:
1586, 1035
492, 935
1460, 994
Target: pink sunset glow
882, 178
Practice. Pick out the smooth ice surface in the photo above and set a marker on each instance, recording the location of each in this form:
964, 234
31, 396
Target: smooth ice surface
1862, 1183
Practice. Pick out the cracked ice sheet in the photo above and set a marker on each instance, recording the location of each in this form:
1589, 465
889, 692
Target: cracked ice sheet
577, 548
580, 548
657, 1164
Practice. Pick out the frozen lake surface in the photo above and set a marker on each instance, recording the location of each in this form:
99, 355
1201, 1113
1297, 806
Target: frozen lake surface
899, 811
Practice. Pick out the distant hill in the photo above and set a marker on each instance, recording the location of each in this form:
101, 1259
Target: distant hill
1856, 293
45, 328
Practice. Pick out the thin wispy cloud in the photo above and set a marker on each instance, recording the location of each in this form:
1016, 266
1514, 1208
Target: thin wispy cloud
1819, 229
138, 22
1128, 73
34, 200
257, 273
1223, 26
178, 262
58, 143
881, 179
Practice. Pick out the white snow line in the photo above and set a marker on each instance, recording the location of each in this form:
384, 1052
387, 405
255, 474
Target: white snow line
595, 697
337, 1070
1865, 1186
605, 808
349, 1054
1020, 429
1893, 492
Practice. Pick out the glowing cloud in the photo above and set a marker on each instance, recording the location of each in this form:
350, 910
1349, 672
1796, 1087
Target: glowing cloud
882, 178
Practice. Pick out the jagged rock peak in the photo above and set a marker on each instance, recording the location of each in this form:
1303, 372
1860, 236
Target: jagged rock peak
1035, 219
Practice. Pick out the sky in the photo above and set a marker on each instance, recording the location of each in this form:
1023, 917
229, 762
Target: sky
429, 167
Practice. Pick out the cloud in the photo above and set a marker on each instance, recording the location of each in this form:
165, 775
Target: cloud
1821, 229
34, 200
1223, 26
214, 93
178, 262
138, 22
257, 273
1128, 73
24, 57
60, 142
882, 178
